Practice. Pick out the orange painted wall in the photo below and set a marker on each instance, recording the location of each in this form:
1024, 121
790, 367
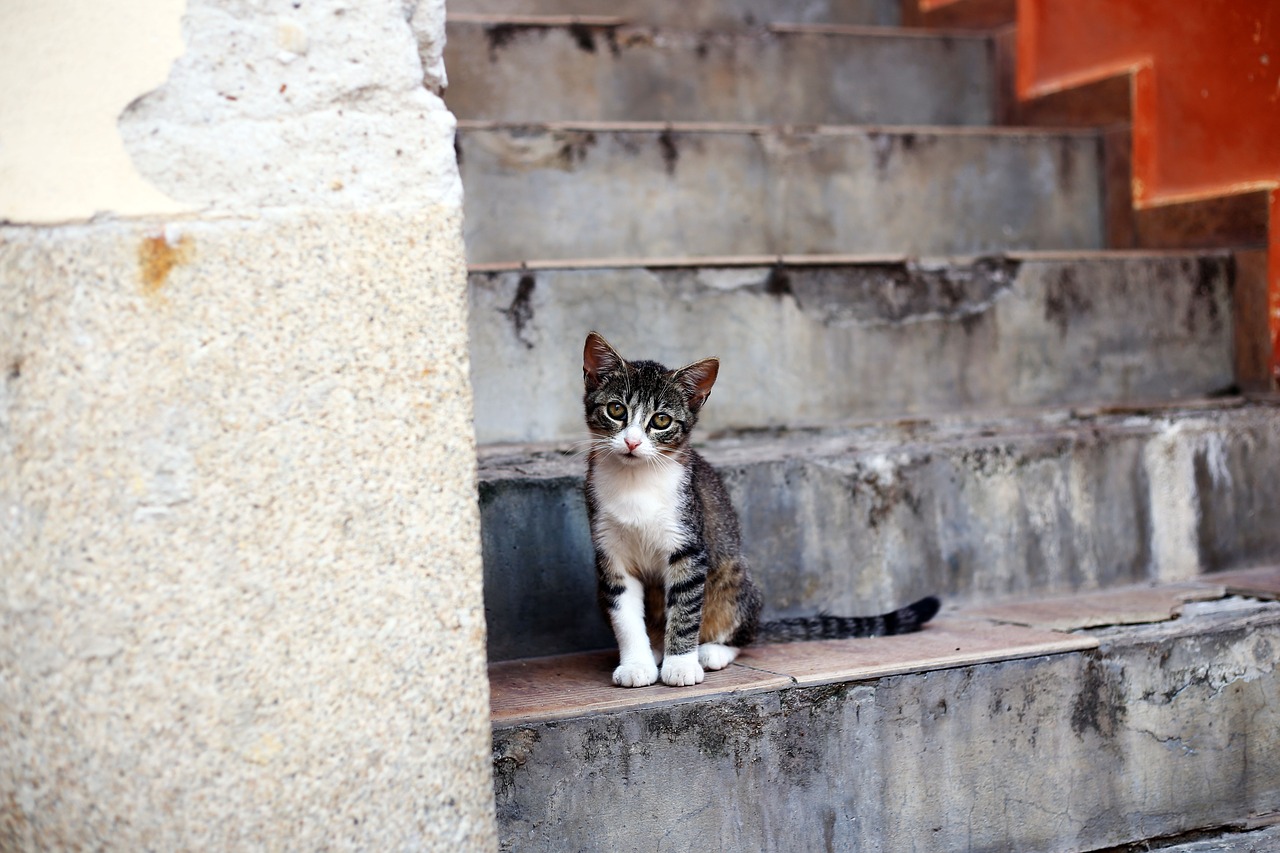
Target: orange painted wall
1206, 92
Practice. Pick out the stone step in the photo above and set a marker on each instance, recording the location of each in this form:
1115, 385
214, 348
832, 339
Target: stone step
699, 14
970, 735
564, 69
602, 190
805, 341
868, 517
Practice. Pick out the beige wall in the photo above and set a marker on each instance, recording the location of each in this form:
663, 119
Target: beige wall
68, 70
240, 601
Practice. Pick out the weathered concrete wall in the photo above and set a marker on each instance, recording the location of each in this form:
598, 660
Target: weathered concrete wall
240, 602
809, 345
653, 192
528, 72
702, 14
1164, 729
862, 520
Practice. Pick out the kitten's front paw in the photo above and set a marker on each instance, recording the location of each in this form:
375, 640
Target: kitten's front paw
682, 670
639, 673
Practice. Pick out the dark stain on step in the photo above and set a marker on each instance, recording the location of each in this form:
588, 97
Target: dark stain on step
499, 36
584, 37
520, 311
883, 495
670, 151
719, 730
1064, 299
1204, 301
574, 146
894, 292
779, 282
15, 369
1099, 706
511, 751
883, 146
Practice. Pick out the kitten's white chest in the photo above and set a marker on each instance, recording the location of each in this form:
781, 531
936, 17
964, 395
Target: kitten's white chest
640, 509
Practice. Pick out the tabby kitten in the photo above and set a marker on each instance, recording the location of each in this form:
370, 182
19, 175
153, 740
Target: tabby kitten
672, 579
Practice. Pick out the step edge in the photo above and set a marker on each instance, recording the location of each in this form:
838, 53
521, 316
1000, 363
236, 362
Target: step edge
971, 426
757, 129
1064, 643
1049, 644
871, 31
851, 259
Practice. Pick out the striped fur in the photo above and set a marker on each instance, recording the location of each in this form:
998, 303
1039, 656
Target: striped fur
671, 576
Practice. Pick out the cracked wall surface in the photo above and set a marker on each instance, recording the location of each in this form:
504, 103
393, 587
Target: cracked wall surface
240, 602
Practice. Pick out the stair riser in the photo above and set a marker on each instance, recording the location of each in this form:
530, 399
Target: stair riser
1068, 752
848, 530
545, 194
806, 346
516, 72
701, 14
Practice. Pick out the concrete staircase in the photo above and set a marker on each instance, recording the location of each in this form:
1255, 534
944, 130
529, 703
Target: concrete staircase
935, 378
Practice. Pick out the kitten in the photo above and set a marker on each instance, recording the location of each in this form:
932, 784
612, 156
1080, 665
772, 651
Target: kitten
672, 579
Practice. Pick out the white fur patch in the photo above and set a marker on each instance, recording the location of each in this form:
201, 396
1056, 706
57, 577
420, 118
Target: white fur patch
715, 656
682, 670
639, 521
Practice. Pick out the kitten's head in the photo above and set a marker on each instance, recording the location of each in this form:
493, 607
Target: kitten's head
639, 411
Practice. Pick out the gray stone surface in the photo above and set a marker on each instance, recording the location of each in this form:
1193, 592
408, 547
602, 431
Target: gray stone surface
528, 72
1164, 729
596, 191
701, 14
860, 520
240, 601
808, 345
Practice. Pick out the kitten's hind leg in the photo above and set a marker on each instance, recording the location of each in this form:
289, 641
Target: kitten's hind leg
716, 655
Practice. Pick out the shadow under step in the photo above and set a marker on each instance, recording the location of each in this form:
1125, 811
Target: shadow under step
700, 14
558, 69
972, 734
811, 341
627, 190
865, 518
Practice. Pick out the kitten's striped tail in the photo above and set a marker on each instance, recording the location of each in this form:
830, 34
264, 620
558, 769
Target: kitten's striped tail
824, 627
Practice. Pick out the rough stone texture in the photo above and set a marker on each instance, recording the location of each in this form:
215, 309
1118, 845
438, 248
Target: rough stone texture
239, 581
807, 345
860, 520
288, 104
1255, 841
599, 191
523, 72
1163, 730
701, 14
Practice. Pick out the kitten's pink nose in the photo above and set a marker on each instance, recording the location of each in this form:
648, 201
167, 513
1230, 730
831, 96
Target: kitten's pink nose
632, 443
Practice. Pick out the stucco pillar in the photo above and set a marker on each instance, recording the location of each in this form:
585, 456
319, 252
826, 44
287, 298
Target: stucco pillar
240, 602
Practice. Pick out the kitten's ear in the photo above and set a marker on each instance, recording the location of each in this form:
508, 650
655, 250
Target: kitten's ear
598, 361
697, 379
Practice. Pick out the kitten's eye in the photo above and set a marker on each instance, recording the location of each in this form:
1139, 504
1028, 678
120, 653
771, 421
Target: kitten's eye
616, 410
660, 421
